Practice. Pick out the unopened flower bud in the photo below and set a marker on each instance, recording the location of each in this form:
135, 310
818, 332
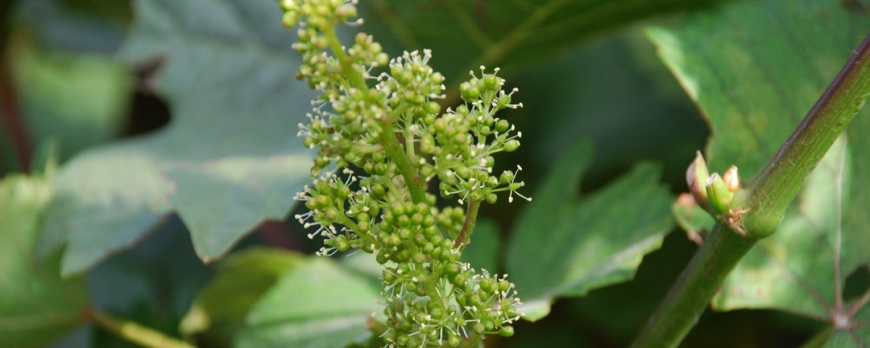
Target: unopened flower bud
732, 180
719, 197
696, 178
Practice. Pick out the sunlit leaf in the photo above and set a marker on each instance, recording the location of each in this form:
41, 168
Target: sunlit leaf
755, 68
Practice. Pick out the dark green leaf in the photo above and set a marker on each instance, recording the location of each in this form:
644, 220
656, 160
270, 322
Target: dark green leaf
242, 279
36, 305
152, 283
77, 99
482, 253
502, 33
755, 68
229, 158
317, 304
565, 246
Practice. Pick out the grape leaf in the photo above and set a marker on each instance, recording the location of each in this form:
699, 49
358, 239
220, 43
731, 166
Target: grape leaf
565, 246
755, 68
78, 99
229, 157
241, 280
501, 33
316, 304
36, 306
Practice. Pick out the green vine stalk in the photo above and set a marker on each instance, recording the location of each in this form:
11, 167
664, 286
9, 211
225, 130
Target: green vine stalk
136, 333
757, 210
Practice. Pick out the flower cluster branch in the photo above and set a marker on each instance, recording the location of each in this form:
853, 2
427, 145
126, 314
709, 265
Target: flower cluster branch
390, 127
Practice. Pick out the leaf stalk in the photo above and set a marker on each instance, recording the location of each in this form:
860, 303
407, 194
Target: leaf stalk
135, 332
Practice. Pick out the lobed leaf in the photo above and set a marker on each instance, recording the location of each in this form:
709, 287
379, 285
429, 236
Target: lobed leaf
228, 159
566, 246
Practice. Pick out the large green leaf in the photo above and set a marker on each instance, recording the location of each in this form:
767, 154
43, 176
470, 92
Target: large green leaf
36, 306
78, 99
242, 279
229, 157
755, 68
316, 304
566, 246
501, 33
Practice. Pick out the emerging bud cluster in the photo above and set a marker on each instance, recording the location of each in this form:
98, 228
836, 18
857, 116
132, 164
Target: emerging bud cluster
714, 193
395, 133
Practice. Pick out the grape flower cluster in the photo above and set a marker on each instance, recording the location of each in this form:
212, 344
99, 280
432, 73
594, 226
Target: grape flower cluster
390, 126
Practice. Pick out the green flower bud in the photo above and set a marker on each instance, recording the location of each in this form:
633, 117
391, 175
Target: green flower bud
404, 233
504, 285
290, 18
460, 280
398, 209
469, 92
478, 328
437, 252
341, 244
380, 169
393, 240
403, 221
389, 275
454, 340
433, 107
382, 258
506, 331
345, 12
718, 194
403, 341
452, 269
486, 285
428, 248
419, 239
511, 145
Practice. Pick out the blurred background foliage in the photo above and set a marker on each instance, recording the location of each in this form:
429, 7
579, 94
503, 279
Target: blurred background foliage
594, 76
